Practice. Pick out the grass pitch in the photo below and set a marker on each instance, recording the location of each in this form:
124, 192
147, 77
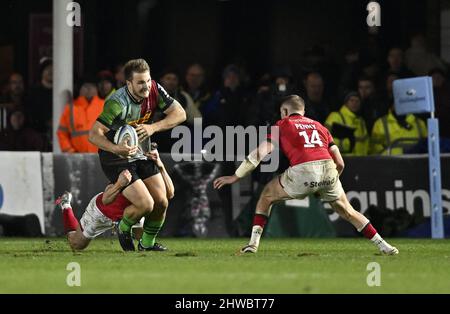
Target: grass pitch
212, 266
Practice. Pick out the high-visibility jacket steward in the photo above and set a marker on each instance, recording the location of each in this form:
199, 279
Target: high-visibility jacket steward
75, 123
351, 120
389, 137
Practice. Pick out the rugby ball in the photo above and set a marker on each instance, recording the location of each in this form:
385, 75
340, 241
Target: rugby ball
126, 133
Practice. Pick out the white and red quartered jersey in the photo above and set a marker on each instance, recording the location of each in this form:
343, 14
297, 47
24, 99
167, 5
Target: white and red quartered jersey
113, 211
302, 139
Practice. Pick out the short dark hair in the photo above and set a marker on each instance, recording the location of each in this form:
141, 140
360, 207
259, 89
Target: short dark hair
294, 102
135, 66
366, 78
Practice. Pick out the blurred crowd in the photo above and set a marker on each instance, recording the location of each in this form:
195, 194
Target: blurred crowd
352, 97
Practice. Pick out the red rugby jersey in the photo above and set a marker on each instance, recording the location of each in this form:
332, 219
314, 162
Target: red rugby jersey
113, 211
302, 139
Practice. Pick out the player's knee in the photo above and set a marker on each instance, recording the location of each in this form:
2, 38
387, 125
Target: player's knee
266, 194
146, 205
162, 203
268, 197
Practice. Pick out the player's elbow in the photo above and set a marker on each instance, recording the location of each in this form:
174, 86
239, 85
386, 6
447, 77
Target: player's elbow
182, 115
170, 194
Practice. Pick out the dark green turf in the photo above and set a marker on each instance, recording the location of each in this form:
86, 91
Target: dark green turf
212, 266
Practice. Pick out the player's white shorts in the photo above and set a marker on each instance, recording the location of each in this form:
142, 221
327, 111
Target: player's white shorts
310, 177
93, 222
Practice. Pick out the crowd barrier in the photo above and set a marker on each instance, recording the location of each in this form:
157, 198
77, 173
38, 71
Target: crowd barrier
377, 186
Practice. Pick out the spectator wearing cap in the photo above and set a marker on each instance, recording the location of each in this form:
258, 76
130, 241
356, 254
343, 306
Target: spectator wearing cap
19, 137
349, 128
39, 103
77, 119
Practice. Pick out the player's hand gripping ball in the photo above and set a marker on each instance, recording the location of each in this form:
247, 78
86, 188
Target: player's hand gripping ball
126, 136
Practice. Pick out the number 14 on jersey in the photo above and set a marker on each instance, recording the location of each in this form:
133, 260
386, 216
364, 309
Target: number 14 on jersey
313, 141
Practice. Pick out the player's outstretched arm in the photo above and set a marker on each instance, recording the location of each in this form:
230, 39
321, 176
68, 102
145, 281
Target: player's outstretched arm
247, 166
170, 189
337, 157
112, 190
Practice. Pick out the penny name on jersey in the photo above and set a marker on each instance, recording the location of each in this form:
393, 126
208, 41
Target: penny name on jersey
305, 126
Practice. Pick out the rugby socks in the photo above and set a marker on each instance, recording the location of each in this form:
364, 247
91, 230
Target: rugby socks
259, 222
69, 220
126, 224
151, 230
369, 232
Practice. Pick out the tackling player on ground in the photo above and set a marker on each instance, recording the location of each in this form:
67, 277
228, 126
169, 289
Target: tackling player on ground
315, 166
106, 209
134, 104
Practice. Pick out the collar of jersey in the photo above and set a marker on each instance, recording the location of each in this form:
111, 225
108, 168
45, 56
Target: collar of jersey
131, 97
294, 114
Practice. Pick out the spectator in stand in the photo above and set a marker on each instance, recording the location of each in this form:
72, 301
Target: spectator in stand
317, 108
264, 108
350, 71
105, 84
391, 133
12, 99
77, 119
419, 59
349, 128
316, 59
195, 85
18, 137
39, 104
389, 90
396, 63
170, 81
119, 76
229, 104
372, 106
